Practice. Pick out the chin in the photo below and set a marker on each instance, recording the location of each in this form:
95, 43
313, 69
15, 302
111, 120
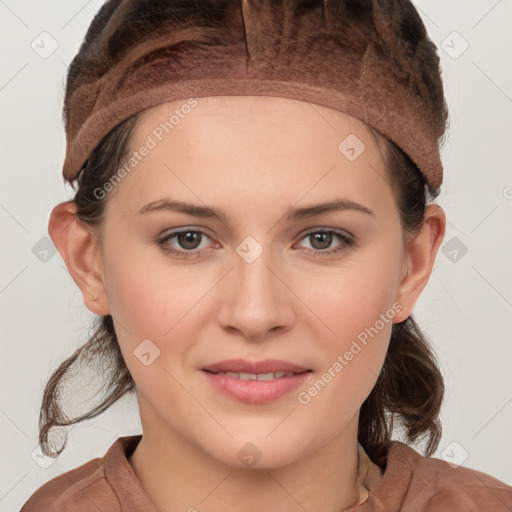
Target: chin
256, 453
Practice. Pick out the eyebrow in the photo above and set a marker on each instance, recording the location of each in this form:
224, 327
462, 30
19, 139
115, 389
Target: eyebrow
293, 214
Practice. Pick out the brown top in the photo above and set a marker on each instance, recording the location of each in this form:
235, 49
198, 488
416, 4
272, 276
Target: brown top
411, 483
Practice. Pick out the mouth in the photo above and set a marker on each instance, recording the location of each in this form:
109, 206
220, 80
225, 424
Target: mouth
256, 382
258, 376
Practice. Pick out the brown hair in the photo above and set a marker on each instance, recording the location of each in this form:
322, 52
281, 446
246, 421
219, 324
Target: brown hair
410, 388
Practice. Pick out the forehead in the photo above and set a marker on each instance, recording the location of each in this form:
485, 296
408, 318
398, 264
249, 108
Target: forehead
270, 147
266, 126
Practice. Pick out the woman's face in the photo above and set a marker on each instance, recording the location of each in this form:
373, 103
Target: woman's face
266, 277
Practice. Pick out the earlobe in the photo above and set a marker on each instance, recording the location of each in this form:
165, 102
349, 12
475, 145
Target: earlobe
421, 254
78, 247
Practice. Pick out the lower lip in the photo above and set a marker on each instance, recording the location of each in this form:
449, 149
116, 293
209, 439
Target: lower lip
256, 391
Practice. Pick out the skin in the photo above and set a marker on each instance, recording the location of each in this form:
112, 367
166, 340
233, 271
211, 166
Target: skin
254, 158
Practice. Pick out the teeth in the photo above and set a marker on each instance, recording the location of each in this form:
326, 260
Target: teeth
247, 376
257, 376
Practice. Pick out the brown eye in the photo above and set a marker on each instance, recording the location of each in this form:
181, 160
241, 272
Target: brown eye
322, 239
187, 242
189, 239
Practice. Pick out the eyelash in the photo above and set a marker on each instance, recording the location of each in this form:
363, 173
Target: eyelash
346, 242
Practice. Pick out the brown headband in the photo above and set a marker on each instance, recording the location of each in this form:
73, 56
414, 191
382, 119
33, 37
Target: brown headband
365, 85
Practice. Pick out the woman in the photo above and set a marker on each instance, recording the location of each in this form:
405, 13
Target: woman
253, 225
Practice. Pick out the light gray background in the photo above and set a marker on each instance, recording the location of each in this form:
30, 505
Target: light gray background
465, 309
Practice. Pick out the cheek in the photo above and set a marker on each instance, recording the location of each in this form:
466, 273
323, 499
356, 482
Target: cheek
355, 303
147, 298
145, 287
152, 305
353, 296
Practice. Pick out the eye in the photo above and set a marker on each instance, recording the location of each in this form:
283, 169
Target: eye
189, 239
321, 239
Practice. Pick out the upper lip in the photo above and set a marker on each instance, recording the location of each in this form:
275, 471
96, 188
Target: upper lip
266, 366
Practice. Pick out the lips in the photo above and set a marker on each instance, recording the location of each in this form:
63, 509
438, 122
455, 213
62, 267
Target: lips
256, 382
255, 367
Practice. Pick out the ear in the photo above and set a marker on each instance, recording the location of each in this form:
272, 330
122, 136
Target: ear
80, 251
421, 254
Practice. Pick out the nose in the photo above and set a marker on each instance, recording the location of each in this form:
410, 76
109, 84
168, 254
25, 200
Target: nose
256, 298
